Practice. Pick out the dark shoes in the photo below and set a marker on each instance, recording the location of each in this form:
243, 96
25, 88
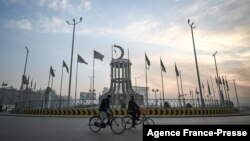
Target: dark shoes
133, 126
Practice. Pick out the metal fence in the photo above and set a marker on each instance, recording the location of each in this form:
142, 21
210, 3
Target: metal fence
151, 103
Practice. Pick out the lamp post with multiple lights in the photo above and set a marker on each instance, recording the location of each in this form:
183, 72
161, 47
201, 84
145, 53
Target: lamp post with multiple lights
155, 90
72, 51
197, 67
23, 77
217, 75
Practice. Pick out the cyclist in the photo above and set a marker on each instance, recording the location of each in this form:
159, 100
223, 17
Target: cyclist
105, 109
133, 109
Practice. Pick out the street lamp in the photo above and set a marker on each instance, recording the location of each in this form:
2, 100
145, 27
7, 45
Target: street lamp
191, 96
155, 90
197, 67
91, 89
23, 77
74, 24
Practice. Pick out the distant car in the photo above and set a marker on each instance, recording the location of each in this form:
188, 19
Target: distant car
8, 110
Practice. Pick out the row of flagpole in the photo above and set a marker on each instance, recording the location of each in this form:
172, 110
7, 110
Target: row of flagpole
26, 81
181, 95
147, 66
96, 55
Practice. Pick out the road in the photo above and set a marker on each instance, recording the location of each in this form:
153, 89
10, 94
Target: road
19, 128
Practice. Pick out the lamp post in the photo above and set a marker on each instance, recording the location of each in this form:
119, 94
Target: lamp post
155, 90
23, 77
93, 93
74, 24
192, 96
91, 89
197, 67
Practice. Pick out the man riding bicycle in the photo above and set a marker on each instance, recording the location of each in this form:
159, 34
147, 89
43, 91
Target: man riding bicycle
133, 110
105, 109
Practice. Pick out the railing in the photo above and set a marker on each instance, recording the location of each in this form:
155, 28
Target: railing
152, 103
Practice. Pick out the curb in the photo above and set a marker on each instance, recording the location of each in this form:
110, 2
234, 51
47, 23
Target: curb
151, 116
123, 112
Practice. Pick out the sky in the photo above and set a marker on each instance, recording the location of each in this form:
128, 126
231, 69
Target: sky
156, 27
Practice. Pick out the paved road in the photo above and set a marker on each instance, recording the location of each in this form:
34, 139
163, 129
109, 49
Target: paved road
16, 128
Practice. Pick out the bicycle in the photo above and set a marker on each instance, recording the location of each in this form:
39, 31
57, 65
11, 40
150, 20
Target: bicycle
117, 124
142, 120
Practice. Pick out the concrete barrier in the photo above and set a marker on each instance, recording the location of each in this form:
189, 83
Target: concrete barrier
174, 111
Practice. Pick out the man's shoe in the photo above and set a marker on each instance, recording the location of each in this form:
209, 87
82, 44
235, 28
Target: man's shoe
133, 126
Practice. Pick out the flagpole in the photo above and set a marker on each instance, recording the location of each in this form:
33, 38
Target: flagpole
52, 83
51, 91
93, 75
128, 53
204, 92
177, 75
223, 83
46, 94
112, 50
183, 99
236, 94
228, 97
60, 99
212, 86
76, 81
227, 89
146, 82
49, 79
162, 87
179, 96
209, 93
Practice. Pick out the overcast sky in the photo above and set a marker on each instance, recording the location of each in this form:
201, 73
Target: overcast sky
157, 27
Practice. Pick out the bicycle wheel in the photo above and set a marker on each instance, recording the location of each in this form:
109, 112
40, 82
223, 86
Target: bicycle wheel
93, 124
148, 121
139, 121
118, 125
128, 120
